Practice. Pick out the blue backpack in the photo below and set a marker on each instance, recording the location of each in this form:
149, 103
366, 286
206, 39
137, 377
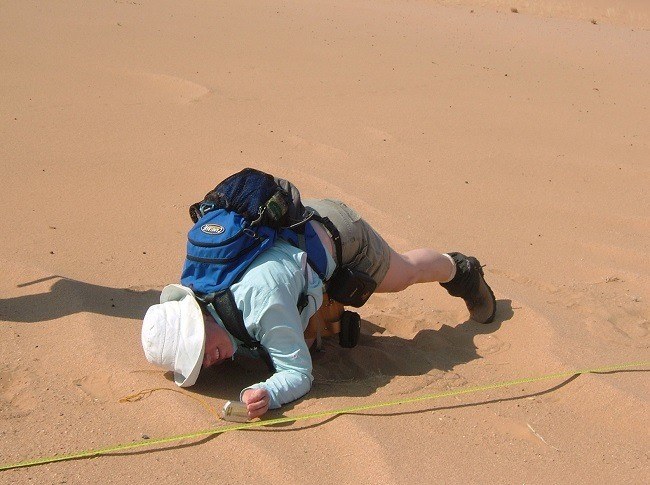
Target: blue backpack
234, 223
220, 246
240, 219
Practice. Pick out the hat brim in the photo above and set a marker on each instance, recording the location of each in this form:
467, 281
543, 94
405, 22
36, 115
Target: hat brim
191, 345
175, 293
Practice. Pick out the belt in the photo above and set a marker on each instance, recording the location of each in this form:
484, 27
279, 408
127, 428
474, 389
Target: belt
334, 234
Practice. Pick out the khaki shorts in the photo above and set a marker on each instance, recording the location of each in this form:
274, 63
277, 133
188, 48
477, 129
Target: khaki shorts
362, 247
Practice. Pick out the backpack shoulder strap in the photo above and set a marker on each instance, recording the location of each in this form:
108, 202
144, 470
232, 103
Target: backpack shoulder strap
334, 233
232, 318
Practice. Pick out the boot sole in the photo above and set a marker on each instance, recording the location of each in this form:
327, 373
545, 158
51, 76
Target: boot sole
494, 300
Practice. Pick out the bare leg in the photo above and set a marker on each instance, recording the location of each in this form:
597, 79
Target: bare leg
416, 266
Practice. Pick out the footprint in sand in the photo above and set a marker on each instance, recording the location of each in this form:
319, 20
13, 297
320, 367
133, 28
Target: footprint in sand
17, 398
97, 387
490, 345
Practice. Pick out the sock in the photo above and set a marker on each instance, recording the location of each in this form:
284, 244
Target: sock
453, 266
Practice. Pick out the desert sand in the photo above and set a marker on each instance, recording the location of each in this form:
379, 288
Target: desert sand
519, 137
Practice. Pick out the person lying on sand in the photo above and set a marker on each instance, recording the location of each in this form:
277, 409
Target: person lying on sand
181, 335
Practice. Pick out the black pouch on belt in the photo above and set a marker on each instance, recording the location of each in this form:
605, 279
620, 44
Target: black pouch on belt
350, 329
350, 287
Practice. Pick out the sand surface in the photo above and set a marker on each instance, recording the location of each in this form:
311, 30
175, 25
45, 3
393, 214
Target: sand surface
521, 138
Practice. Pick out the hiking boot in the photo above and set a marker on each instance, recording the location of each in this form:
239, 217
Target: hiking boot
470, 285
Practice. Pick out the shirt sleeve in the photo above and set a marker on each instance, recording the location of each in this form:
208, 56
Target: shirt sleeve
282, 336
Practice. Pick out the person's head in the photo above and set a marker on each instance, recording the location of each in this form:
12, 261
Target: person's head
218, 343
177, 336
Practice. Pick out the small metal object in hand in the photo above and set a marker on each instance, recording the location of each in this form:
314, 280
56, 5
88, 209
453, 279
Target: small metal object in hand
235, 411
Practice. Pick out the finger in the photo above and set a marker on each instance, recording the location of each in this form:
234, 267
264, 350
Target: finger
253, 395
254, 406
257, 413
259, 394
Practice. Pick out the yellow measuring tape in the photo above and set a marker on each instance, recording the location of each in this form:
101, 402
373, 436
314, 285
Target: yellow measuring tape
303, 417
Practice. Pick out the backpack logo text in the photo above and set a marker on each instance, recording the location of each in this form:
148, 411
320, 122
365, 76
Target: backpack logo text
212, 229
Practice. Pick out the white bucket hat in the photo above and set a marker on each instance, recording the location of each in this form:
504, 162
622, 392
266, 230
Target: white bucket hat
173, 335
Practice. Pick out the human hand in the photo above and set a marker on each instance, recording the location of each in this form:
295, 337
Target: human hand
257, 402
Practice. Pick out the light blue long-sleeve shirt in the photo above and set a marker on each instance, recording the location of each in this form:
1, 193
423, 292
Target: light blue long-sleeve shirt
267, 294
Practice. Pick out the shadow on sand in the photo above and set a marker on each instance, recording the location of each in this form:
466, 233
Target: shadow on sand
345, 372
68, 296
360, 371
356, 372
